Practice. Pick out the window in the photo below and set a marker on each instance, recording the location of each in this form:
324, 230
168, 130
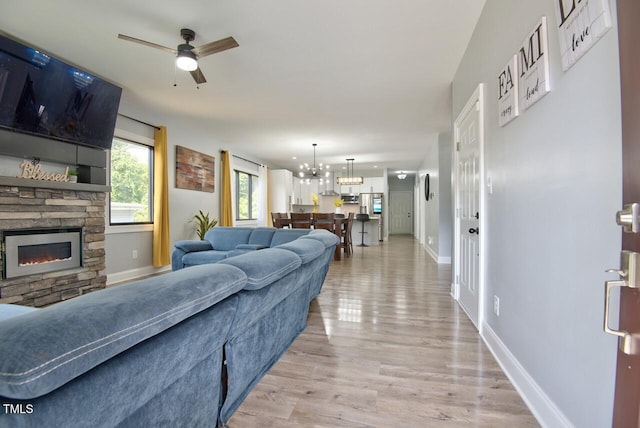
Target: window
131, 183
246, 196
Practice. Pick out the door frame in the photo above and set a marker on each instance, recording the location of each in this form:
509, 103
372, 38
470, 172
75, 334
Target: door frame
476, 99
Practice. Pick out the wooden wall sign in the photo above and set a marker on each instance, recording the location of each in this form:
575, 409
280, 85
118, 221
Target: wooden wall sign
581, 23
508, 92
194, 170
533, 66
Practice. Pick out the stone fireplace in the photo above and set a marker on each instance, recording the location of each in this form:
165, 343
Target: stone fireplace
36, 217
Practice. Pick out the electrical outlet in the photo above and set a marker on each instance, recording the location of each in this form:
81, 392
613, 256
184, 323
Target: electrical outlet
496, 305
134, 254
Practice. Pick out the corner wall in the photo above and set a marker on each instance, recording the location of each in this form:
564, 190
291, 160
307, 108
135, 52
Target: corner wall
551, 229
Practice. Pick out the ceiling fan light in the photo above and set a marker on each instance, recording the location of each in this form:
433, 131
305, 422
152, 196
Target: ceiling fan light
186, 60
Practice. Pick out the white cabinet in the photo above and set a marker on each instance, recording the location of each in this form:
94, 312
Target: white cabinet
280, 190
372, 185
303, 191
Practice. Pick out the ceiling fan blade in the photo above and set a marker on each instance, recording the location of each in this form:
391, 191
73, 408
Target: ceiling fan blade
150, 44
215, 47
198, 76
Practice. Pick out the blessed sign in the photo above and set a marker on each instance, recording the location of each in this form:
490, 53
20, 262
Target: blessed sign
508, 92
33, 171
581, 23
533, 66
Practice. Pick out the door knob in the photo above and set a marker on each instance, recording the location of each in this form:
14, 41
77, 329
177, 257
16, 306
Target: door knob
475, 230
629, 218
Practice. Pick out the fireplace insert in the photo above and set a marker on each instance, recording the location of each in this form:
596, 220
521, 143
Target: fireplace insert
28, 252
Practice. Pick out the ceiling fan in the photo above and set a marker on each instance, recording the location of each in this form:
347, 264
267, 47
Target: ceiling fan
186, 54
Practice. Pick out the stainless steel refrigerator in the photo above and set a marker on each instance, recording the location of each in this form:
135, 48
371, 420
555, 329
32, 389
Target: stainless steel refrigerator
372, 204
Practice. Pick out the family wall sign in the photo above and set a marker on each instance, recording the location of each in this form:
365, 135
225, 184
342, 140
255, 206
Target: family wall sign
525, 77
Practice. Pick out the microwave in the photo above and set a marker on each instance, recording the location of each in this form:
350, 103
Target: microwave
348, 198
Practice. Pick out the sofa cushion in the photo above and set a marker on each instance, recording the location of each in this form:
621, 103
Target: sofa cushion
262, 236
10, 311
264, 267
226, 238
46, 348
306, 249
203, 257
282, 236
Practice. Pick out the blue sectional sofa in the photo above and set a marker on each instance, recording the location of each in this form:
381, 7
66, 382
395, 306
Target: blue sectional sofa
180, 349
220, 243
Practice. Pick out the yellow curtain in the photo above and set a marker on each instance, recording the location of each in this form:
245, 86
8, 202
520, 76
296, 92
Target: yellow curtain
161, 249
226, 212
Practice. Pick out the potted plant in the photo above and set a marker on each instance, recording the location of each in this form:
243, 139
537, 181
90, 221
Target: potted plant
204, 223
73, 175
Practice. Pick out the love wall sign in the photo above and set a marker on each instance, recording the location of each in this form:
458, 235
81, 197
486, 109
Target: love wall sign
581, 23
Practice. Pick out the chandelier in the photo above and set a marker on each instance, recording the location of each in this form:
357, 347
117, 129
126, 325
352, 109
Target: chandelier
312, 172
350, 180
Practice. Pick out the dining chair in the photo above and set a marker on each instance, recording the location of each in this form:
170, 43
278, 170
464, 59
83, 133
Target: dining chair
323, 221
301, 220
274, 219
347, 243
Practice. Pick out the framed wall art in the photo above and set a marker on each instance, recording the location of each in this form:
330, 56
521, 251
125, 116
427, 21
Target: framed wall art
194, 170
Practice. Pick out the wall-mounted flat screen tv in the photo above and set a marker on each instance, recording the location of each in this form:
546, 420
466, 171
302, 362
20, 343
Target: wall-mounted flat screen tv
43, 96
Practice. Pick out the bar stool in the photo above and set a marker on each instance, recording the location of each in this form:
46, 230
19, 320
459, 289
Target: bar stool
363, 218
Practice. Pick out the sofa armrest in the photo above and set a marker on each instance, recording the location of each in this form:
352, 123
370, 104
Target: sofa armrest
190, 246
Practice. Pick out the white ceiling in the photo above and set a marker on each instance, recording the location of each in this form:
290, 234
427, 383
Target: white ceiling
368, 79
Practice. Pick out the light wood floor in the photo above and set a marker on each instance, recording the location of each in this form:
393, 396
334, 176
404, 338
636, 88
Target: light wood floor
385, 346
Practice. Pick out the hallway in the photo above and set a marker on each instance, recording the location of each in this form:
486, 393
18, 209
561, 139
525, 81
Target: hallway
385, 346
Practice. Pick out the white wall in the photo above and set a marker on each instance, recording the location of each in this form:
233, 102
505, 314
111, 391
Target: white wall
551, 229
434, 216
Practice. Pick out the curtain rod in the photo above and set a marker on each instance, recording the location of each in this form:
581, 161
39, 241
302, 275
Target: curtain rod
247, 160
139, 121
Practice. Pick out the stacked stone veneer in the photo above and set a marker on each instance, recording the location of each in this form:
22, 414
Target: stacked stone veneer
43, 208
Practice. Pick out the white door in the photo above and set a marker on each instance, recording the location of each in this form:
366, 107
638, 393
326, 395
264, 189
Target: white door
400, 209
468, 132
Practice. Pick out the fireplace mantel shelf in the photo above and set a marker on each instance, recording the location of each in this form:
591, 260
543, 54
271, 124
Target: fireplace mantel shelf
42, 184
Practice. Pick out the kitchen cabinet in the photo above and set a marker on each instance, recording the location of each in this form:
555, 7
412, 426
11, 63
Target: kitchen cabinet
372, 185
303, 191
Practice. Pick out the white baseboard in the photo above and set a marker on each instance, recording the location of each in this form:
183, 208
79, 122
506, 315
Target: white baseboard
436, 257
542, 407
129, 275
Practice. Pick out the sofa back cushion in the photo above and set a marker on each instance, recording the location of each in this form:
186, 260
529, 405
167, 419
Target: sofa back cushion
226, 238
46, 348
306, 249
264, 267
282, 236
261, 236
